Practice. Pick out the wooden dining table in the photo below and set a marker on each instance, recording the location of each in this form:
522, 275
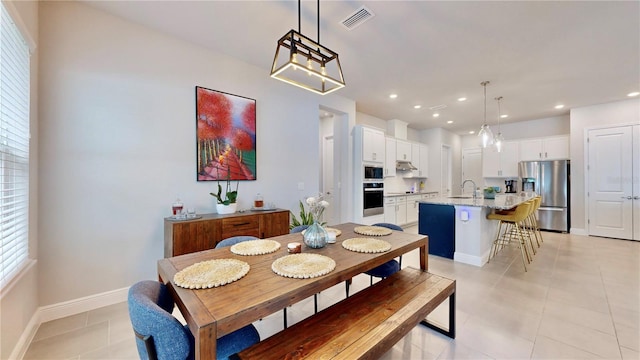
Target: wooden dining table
215, 312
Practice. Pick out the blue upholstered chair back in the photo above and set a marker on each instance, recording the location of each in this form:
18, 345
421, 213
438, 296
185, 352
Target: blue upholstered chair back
390, 267
298, 229
150, 307
389, 226
234, 240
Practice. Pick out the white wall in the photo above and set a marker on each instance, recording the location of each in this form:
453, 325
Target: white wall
118, 144
371, 121
435, 138
19, 301
582, 119
552, 126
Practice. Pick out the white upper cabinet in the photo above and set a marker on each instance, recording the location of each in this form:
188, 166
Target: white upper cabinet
390, 156
415, 159
552, 148
424, 161
420, 159
373, 144
403, 150
502, 164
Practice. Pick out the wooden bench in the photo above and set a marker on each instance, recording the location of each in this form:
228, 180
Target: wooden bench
365, 325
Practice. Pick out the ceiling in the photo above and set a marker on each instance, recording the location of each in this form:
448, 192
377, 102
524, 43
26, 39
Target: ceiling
536, 54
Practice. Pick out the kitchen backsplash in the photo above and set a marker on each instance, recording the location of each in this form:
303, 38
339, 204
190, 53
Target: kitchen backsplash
400, 184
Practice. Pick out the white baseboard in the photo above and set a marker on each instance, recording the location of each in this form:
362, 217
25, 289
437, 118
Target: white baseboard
25, 339
471, 259
64, 309
578, 231
87, 303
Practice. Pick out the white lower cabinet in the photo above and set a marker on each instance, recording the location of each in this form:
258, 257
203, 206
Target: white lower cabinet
401, 210
390, 210
412, 208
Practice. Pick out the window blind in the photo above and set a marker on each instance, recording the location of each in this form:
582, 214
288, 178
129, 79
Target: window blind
14, 149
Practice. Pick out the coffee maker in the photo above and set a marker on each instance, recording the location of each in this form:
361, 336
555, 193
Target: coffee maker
511, 186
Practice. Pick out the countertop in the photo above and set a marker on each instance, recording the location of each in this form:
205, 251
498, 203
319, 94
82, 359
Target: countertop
408, 193
501, 202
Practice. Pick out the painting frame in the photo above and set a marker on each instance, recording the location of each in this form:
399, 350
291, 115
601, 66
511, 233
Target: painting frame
226, 136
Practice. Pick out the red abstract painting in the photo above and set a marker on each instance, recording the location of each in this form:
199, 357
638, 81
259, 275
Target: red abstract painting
226, 136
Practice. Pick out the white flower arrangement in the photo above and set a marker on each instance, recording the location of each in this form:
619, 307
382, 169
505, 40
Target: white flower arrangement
316, 205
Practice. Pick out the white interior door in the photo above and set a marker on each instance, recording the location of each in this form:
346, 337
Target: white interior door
472, 167
445, 171
327, 177
610, 170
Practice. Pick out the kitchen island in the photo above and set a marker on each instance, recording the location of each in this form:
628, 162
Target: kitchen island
458, 227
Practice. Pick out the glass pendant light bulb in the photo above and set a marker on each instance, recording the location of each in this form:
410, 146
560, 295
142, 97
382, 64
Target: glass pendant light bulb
485, 133
499, 140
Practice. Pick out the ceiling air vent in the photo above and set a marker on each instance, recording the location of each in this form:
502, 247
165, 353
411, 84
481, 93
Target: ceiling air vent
357, 18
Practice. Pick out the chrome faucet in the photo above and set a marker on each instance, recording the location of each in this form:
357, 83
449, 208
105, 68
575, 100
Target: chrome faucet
474, 187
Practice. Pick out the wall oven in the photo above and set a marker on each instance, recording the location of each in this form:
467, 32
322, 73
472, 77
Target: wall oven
373, 198
373, 172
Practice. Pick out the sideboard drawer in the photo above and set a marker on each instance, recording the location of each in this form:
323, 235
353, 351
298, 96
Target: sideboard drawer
244, 225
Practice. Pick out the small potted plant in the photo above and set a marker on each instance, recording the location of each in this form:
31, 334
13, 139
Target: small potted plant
226, 205
489, 193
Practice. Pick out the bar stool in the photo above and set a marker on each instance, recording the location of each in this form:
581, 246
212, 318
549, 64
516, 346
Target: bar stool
537, 201
515, 231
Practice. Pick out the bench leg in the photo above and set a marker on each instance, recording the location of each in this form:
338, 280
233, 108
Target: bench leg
452, 320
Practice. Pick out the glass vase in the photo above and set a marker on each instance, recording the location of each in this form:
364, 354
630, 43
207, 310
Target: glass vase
315, 236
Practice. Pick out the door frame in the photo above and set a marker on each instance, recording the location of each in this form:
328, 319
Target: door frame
585, 167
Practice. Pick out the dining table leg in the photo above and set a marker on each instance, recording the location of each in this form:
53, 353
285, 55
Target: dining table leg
424, 259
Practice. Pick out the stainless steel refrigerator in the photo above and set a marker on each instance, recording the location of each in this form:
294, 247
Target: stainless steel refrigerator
551, 180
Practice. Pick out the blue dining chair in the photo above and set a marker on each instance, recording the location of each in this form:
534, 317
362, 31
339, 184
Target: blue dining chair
387, 269
299, 228
159, 335
234, 240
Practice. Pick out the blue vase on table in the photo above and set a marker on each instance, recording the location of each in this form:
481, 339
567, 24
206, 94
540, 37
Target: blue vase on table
315, 236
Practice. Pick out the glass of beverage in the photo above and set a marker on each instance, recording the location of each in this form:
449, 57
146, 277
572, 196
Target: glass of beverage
258, 203
177, 208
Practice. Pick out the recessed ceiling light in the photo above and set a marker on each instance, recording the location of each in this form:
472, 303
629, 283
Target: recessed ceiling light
417, 106
450, 122
504, 116
393, 96
436, 115
472, 132
632, 94
462, 99
559, 106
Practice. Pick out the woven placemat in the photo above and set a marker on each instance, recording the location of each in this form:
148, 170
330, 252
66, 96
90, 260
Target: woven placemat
338, 232
255, 247
211, 273
303, 266
366, 245
372, 230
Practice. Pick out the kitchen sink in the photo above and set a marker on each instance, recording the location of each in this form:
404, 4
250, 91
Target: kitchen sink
460, 197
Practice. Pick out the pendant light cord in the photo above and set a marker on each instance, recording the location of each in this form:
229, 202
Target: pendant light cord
318, 23
484, 84
299, 31
499, 112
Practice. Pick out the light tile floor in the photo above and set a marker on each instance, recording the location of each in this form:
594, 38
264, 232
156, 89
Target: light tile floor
580, 299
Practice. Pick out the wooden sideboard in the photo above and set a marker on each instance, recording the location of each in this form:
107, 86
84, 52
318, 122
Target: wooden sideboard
187, 236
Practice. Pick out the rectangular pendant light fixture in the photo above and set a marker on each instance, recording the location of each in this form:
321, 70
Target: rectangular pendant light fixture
305, 63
